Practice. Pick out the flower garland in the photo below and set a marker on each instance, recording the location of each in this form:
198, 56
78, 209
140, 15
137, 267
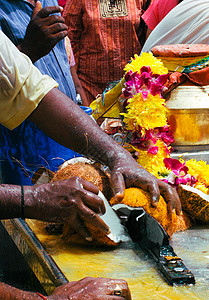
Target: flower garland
145, 113
145, 116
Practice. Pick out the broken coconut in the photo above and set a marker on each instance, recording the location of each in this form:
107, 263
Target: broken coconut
93, 174
136, 197
195, 203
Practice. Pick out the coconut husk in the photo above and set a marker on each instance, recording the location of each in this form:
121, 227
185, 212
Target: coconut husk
89, 172
93, 174
136, 197
195, 203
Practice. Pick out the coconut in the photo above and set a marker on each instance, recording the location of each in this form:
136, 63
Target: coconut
136, 197
195, 203
89, 172
93, 174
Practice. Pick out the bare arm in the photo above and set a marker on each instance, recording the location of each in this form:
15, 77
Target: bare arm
72, 201
148, 33
62, 120
78, 86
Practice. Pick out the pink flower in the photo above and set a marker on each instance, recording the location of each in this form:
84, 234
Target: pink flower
149, 139
153, 150
145, 83
176, 166
145, 142
178, 174
165, 134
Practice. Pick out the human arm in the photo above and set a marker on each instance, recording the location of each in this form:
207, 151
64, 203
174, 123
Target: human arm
76, 80
86, 288
78, 86
73, 15
44, 31
72, 201
148, 32
64, 121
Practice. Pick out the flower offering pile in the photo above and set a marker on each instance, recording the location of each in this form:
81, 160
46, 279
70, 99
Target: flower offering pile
145, 119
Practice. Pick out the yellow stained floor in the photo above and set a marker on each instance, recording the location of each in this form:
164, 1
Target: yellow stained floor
133, 265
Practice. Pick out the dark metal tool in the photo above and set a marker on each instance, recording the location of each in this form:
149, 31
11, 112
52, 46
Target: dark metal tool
151, 237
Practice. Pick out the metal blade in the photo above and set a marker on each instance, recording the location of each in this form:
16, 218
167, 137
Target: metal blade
150, 236
143, 229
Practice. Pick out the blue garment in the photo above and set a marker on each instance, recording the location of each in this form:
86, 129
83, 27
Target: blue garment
27, 148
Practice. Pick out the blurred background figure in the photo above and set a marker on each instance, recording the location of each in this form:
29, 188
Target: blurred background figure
104, 36
186, 23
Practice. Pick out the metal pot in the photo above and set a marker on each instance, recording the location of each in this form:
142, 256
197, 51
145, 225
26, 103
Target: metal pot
188, 116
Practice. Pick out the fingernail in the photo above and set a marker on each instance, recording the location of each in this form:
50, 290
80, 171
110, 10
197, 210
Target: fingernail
155, 198
61, 8
118, 196
181, 213
89, 239
173, 211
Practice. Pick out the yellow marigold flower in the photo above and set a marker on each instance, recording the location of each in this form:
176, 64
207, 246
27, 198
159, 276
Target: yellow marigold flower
153, 163
148, 114
146, 59
199, 169
200, 186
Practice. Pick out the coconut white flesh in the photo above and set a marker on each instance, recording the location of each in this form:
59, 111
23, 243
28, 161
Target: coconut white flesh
76, 160
117, 230
195, 191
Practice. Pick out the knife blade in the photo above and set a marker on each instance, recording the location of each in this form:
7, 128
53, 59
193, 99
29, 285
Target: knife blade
146, 232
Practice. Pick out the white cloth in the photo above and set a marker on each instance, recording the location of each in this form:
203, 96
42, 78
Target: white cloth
187, 23
22, 86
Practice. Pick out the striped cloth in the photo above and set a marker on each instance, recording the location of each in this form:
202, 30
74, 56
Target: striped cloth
26, 148
101, 46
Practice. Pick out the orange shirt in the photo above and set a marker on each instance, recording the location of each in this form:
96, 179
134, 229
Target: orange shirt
102, 46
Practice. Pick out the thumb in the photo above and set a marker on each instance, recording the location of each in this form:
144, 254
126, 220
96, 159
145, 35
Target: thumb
37, 8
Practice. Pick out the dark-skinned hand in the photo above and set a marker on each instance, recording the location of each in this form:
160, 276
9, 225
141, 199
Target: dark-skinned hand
92, 289
44, 31
72, 201
126, 172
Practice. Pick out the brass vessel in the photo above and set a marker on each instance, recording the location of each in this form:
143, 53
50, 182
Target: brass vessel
188, 116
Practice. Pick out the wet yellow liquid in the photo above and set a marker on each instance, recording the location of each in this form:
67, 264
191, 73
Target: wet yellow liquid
134, 265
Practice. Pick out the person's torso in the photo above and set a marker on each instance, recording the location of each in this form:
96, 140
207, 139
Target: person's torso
108, 41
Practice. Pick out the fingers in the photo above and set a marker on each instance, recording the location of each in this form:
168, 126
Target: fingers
94, 202
118, 184
80, 228
119, 290
37, 8
55, 37
154, 191
171, 197
48, 10
88, 186
89, 216
95, 288
54, 19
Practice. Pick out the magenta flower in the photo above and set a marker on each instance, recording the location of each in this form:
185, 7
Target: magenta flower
176, 166
149, 139
145, 83
178, 174
145, 142
166, 135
